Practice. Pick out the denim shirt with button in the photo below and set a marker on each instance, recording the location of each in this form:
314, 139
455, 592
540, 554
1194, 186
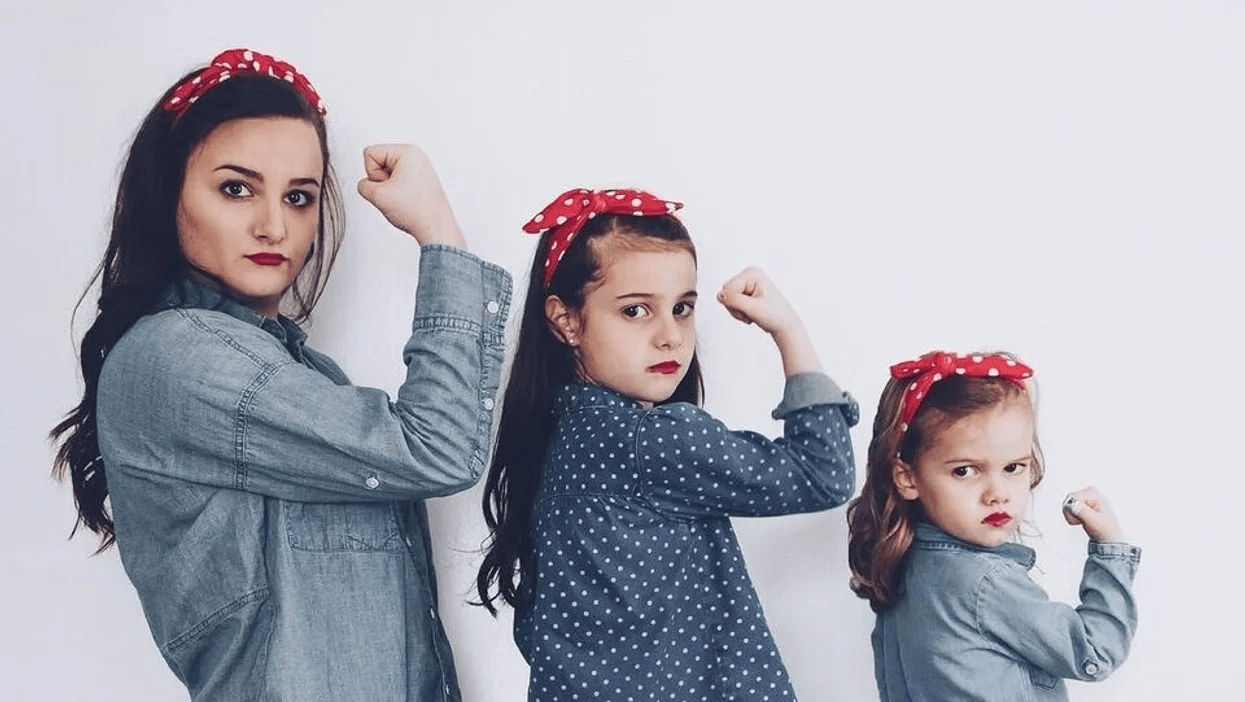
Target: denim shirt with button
972, 625
641, 592
271, 515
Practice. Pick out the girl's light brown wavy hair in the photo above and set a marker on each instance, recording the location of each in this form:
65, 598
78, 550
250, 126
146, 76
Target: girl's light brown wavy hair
881, 523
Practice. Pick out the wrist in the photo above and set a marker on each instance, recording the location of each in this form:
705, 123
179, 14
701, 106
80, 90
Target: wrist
1106, 534
445, 232
788, 332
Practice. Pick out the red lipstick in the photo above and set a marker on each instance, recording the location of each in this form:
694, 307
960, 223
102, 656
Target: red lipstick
265, 258
665, 368
997, 519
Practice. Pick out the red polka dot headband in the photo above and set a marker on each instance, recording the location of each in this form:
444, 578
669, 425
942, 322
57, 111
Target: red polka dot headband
936, 365
572, 209
235, 61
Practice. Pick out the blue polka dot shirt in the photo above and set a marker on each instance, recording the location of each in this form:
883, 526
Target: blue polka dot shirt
640, 591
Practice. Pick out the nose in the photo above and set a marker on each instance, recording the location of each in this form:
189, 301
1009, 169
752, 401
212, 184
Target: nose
995, 490
669, 334
270, 222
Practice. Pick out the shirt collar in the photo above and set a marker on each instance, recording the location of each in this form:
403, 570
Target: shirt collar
577, 396
930, 536
186, 293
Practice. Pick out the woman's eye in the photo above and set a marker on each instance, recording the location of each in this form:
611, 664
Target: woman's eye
300, 198
683, 309
235, 189
635, 311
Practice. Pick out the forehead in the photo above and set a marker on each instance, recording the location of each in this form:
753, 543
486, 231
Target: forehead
668, 270
1002, 432
264, 144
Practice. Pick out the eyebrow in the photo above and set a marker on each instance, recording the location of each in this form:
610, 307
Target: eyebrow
977, 461
256, 175
645, 296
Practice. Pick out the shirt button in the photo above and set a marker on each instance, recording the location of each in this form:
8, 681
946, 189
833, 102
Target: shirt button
492, 306
1091, 669
432, 613
488, 403
372, 482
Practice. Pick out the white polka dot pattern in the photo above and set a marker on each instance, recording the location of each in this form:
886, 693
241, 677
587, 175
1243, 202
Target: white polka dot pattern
641, 590
224, 64
936, 365
571, 210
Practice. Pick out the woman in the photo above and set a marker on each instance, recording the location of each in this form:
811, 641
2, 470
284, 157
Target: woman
269, 513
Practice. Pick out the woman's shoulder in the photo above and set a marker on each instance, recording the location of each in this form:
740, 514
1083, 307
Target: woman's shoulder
182, 331
182, 343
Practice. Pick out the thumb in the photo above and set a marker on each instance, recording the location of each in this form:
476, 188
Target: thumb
739, 303
369, 189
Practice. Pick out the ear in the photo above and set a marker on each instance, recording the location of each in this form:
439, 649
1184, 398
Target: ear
563, 321
904, 477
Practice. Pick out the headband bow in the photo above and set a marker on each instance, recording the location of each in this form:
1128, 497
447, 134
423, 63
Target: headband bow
234, 61
572, 209
936, 365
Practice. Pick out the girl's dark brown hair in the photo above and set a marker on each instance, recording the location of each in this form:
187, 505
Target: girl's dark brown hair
144, 256
881, 523
543, 363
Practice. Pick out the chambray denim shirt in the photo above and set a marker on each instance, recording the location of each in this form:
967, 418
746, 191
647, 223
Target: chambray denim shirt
641, 592
271, 515
972, 624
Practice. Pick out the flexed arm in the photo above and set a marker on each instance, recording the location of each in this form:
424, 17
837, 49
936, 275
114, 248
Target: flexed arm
402, 184
752, 298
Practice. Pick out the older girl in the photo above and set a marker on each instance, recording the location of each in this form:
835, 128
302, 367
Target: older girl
269, 513
611, 492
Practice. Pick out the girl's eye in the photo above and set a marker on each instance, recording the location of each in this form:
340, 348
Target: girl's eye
300, 198
962, 471
235, 189
684, 309
1015, 468
635, 311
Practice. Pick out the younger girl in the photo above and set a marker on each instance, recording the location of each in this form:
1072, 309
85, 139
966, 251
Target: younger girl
953, 461
610, 493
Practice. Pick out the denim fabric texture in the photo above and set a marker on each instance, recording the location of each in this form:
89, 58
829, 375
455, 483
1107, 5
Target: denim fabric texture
271, 515
641, 592
972, 624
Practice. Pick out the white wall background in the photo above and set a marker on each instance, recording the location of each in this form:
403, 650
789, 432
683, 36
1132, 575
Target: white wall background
1059, 179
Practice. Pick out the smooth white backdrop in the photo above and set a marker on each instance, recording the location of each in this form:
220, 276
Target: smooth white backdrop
1061, 180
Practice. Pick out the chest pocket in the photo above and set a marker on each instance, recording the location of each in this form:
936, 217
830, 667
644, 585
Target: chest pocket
1042, 679
363, 526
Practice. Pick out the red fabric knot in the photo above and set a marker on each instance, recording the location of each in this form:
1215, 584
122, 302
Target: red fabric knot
570, 211
937, 365
232, 62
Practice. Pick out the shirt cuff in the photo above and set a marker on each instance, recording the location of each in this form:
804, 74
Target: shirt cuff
457, 289
1115, 549
808, 389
